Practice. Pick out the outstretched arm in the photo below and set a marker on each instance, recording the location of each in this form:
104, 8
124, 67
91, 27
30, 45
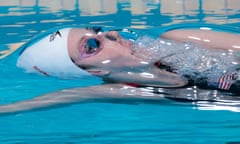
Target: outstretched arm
207, 38
78, 95
119, 92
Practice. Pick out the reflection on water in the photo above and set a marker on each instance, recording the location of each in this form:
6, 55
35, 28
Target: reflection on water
21, 20
107, 122
138, 13
205, 99
225, 9
197, 98
33, 16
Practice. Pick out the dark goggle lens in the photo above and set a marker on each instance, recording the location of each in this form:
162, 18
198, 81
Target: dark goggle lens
92, 45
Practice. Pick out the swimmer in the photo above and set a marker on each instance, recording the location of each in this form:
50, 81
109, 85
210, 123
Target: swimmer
179, 58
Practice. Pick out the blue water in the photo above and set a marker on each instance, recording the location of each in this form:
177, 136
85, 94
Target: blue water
104, 122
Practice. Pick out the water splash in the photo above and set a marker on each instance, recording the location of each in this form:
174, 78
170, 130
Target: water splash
186, 58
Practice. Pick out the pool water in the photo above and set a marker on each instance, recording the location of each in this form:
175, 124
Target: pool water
106, 122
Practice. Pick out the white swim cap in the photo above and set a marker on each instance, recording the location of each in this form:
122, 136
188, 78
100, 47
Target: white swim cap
49, 56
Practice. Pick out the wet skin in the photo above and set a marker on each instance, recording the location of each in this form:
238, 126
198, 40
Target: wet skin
113, 60
118, 52
206, 38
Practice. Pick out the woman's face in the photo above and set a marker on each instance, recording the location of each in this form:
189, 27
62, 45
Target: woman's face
109, 55
106, 50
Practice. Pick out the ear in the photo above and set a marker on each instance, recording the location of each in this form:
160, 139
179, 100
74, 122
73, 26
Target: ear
99, 72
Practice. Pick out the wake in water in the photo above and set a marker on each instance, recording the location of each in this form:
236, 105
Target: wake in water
187, 58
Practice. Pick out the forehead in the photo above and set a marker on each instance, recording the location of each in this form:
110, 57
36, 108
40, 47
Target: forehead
79, 32
74, 37
76, 34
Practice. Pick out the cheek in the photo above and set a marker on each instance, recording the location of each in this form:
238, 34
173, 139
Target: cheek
126, 43
99, 59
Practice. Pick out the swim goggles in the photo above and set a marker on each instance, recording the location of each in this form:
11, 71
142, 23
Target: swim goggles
92, 45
